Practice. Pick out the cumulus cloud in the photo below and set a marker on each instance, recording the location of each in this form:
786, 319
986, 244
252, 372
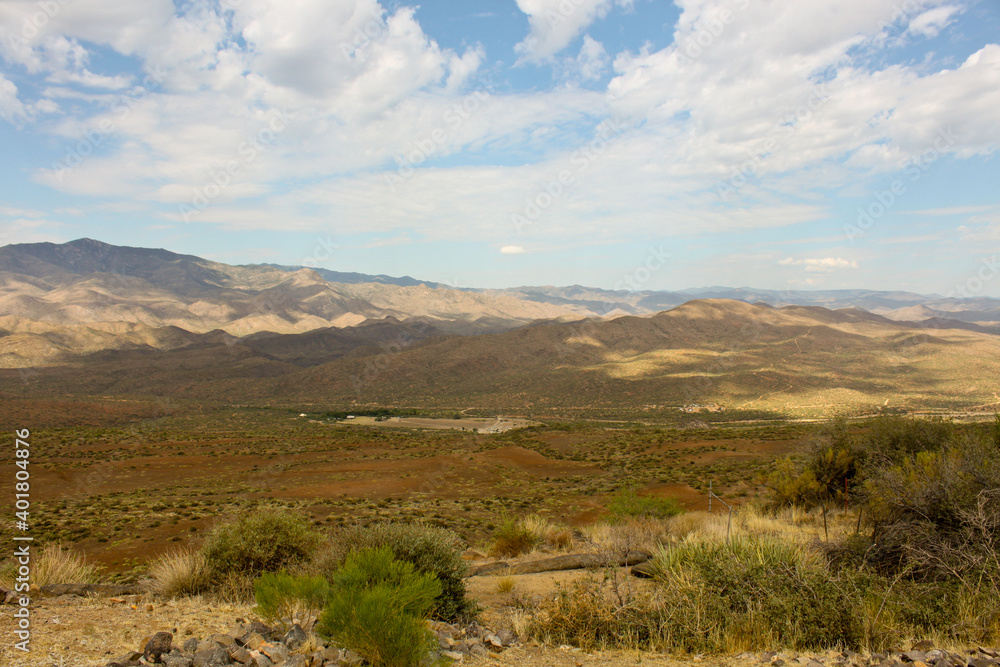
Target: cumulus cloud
555, 23
933, 21
11, 108
820, 265
512, 250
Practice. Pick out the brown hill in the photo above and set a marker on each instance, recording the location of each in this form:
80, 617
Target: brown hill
58, 300
801, 360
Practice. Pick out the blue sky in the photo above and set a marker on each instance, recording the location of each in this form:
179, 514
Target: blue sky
776, 144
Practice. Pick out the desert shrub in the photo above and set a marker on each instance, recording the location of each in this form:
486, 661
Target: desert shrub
762, 588
512, 538
590, 615
936, 514
749, 594
56, 564
178, 574
627, 503
265, 540
789, 486
546, 532
377, 607
282, 597
431, 550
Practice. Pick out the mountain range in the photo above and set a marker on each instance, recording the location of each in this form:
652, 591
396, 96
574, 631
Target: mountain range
88, 318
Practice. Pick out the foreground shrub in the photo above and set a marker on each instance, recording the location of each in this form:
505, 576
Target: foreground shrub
936, 514
512, 538
627, 503
53, 564
265, 540
752, 594
378, 606
179, 573
431, 550
283, 598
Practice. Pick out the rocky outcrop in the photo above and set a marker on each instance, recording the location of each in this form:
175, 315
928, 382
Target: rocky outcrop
257, 645
557, 563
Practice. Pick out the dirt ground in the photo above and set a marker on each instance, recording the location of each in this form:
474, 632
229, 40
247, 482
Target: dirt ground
79, 632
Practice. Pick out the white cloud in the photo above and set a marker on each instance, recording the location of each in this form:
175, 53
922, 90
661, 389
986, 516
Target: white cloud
555, 23
11, 108
592, 60
933, 21
512, 250
821, 265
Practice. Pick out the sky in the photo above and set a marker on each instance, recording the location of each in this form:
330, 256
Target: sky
626, 144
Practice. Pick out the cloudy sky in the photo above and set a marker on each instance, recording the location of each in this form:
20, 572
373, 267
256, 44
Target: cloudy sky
771, 143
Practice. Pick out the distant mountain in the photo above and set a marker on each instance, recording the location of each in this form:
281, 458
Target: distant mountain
799, 360
350, 278
57, 300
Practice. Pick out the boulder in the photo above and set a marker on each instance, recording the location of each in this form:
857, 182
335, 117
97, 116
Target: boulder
157, 645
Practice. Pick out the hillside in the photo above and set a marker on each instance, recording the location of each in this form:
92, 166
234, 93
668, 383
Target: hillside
61, 300
799, 360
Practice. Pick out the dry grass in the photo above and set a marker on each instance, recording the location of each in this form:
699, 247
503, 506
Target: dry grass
505, 584
179, 573
55, 564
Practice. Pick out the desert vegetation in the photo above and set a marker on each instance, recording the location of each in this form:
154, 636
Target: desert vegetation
918, 560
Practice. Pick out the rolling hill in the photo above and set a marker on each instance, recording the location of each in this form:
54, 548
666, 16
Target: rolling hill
799, 360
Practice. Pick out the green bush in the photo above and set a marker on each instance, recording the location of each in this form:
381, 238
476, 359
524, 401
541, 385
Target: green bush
756, 587
512, 538
282, 596
265, 540
378, 606
429, 549
627, 503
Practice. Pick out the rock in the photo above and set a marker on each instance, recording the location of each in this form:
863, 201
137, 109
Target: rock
252, 640
479, 651
768, 656
212, 657
238, 654
506, 637
296, 660
644, 570
294, 638
452, 655
982, 662
177, 661
923, 645
157, 645
191, 645
130, 659
494, 642
991, 652
277, 653
260, 660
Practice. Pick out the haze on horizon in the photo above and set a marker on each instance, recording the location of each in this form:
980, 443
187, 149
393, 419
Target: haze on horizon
779, 145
